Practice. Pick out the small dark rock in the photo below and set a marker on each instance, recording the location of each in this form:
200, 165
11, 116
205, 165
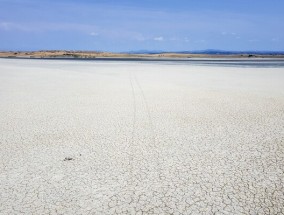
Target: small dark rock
68, 159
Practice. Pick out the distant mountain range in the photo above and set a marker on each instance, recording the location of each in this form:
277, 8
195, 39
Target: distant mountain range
208, 51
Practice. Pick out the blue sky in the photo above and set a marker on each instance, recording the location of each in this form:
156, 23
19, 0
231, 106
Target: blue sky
126, 25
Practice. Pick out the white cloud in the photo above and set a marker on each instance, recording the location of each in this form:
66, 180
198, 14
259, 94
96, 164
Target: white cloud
253, 40
275, 39
200, 41
138, 37
94, 34
159, 38
229, 33
186, 39
4, 25
46, 26
8, 26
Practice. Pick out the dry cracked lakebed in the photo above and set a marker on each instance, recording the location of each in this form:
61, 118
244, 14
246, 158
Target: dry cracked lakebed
117, 137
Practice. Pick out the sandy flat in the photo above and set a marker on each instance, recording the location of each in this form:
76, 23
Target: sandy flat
94, 137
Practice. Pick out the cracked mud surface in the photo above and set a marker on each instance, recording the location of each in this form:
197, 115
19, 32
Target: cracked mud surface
140, 138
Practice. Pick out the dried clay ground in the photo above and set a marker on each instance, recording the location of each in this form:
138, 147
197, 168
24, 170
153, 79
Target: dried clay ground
95, 137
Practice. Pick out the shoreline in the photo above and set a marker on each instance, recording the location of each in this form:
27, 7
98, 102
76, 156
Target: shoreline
224, 62
103, 55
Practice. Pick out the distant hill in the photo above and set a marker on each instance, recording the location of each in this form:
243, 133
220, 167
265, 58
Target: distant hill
208, 51
142, 54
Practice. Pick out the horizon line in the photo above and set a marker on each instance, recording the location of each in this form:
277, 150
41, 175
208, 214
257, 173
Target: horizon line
148, 51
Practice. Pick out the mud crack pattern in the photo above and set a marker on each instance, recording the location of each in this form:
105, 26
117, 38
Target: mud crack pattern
140, 138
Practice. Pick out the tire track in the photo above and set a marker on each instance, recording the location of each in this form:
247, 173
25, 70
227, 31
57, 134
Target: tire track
133, 132
152, 126
134, 108
154, 145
